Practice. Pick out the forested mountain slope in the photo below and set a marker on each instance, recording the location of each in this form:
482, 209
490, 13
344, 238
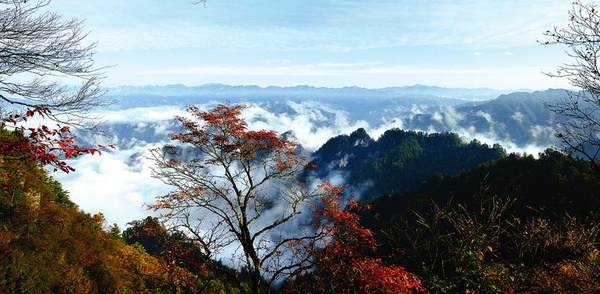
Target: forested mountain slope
550, 186
398, 160
518, 224
48, 245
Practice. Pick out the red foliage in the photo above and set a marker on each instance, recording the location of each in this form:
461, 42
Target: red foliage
228, 181
185, 255
344, 265
224, 127
46, 145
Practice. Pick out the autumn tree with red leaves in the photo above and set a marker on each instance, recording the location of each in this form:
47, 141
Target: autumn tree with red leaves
36, 44
344, 263
49, 146
237, 190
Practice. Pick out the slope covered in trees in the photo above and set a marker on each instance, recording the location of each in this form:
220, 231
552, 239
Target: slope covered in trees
47, 245
516, 224
519, 224
398, 160
551, 185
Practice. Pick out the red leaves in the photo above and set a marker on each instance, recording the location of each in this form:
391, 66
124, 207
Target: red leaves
46, 145
223, 115
225, 130
65, 129
345, 263
40, 110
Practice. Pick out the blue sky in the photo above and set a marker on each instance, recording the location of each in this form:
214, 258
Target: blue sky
332, 43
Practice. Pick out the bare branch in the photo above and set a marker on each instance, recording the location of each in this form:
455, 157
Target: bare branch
578, 114
38, 50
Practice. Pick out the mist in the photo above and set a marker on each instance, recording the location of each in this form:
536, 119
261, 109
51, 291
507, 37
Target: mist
118, 183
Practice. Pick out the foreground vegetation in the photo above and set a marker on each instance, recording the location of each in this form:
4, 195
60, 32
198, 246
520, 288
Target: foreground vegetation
519, 224
48, 245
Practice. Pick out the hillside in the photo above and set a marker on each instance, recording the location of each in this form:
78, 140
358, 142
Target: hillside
48, 245
397, 161
516, 224
549, 186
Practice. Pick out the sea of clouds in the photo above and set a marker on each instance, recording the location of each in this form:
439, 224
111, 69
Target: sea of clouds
119, 184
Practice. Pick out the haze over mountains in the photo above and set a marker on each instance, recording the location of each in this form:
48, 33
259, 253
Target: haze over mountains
518, 118
220, 90
142, 117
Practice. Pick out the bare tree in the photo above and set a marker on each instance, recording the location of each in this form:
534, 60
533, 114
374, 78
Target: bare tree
578, 113
39, 50
236, 188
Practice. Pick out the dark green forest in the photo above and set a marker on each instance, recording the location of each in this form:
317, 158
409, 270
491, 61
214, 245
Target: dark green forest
517, 224
399, 159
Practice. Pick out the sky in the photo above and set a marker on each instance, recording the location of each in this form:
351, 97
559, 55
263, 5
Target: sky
329, 43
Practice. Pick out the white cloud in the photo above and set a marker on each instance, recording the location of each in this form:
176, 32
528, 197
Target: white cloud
333, 69
542, 132
485, 115
414, 41
370, 76
518, 116
304, 122
331, 27
141, 115
116, 183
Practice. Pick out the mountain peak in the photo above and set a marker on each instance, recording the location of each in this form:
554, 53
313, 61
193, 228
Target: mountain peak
360, 137
360, 133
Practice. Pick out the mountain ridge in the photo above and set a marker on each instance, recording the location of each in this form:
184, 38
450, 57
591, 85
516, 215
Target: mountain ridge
396, 161
476, 94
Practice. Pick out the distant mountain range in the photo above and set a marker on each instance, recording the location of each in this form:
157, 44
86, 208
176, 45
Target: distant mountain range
518, 121
520, 118
221, 91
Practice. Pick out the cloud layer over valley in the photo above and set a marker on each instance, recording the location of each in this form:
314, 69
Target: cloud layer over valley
118, 183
